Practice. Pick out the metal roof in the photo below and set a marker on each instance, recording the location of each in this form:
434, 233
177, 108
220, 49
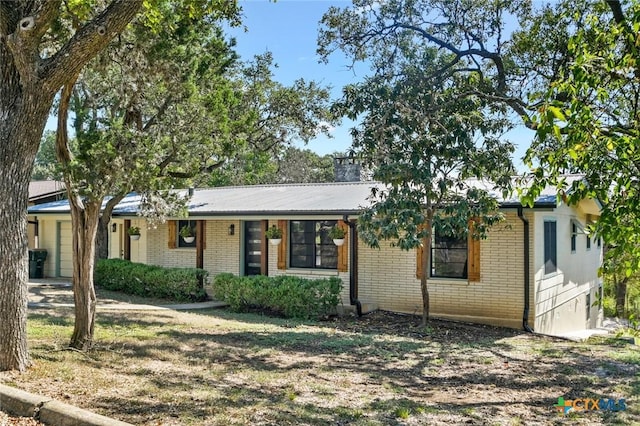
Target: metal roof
300, 199
288, 199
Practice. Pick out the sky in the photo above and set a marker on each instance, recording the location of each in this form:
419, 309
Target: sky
289, 29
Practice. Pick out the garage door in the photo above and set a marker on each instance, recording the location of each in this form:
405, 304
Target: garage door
65, 265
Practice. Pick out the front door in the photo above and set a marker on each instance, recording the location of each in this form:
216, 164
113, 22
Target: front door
252, 247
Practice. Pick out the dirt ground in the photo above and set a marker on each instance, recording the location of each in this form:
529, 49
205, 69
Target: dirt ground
214, 367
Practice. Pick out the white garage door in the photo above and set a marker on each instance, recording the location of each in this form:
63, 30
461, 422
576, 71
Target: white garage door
65, 265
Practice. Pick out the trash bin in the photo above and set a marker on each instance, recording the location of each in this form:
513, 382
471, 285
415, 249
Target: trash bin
36, 263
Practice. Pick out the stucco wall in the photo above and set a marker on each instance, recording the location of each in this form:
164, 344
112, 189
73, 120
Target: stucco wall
387, 277
561, 296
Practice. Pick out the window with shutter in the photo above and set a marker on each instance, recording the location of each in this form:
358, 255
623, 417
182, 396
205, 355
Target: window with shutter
311, 246
452, 257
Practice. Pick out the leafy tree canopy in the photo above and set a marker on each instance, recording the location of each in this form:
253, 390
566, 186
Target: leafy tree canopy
588, 123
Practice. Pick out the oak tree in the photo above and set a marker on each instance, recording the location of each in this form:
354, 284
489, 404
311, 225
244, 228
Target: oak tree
36, 60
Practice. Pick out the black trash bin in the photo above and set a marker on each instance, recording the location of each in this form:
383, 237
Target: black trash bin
36, 263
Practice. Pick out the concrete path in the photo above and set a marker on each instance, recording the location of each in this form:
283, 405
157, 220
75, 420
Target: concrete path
58, 293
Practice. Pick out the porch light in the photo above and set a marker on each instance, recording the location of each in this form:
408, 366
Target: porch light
232, 229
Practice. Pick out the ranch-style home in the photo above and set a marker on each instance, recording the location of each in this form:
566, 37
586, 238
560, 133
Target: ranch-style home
538, 270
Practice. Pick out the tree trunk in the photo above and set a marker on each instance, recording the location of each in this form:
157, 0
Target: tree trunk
85, 215
84, 228
621, 295
102, 238
426, 268
23, 114
28, 84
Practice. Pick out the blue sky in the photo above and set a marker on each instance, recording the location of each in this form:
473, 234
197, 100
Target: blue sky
289, 29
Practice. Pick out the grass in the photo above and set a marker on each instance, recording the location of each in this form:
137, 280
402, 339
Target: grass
215, 367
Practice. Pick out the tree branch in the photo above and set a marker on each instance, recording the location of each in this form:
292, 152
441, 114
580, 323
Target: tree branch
63, 153
86, 42
494, 57
24, 41
616, 9
206, 169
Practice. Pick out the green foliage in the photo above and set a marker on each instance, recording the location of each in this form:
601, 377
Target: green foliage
292, 297
609, 306
179, 284
291, 165
133, 230
336, 233
46, 166
187, 231
273, 233
429, 125
587, 123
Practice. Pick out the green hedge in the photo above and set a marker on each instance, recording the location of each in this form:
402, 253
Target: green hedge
179, 284
290, 296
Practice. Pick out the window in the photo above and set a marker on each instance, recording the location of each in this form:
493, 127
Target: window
190, 224
574, 234
588, 242
311, 246
550, 247
448, 257
600, 296
599, 242
588, 307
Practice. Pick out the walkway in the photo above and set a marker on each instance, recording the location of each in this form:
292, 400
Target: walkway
58, 293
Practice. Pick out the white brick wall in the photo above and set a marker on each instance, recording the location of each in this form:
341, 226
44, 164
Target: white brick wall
222, 253
387, 278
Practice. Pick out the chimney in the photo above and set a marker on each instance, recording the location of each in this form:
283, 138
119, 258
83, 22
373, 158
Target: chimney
347, 169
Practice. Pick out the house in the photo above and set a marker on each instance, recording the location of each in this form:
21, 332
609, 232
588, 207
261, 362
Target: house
42, 191
537, 270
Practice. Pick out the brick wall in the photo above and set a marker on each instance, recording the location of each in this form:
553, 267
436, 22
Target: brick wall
222, 253
387, 278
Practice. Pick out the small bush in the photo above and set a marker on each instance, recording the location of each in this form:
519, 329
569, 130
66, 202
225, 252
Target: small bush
293, 297
179, 284
609, 306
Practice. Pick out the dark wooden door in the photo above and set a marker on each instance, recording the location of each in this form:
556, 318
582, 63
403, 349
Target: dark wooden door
252, 247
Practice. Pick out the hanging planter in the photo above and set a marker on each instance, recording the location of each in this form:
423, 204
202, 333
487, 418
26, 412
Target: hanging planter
187, 233
134, 233
337, 235
275, 241
274, 234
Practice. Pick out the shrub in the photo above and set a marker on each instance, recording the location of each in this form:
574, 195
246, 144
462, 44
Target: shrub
179, 284
609, 306
290, 296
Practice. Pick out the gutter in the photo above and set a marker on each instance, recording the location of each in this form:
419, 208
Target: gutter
353, 265
527, 283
